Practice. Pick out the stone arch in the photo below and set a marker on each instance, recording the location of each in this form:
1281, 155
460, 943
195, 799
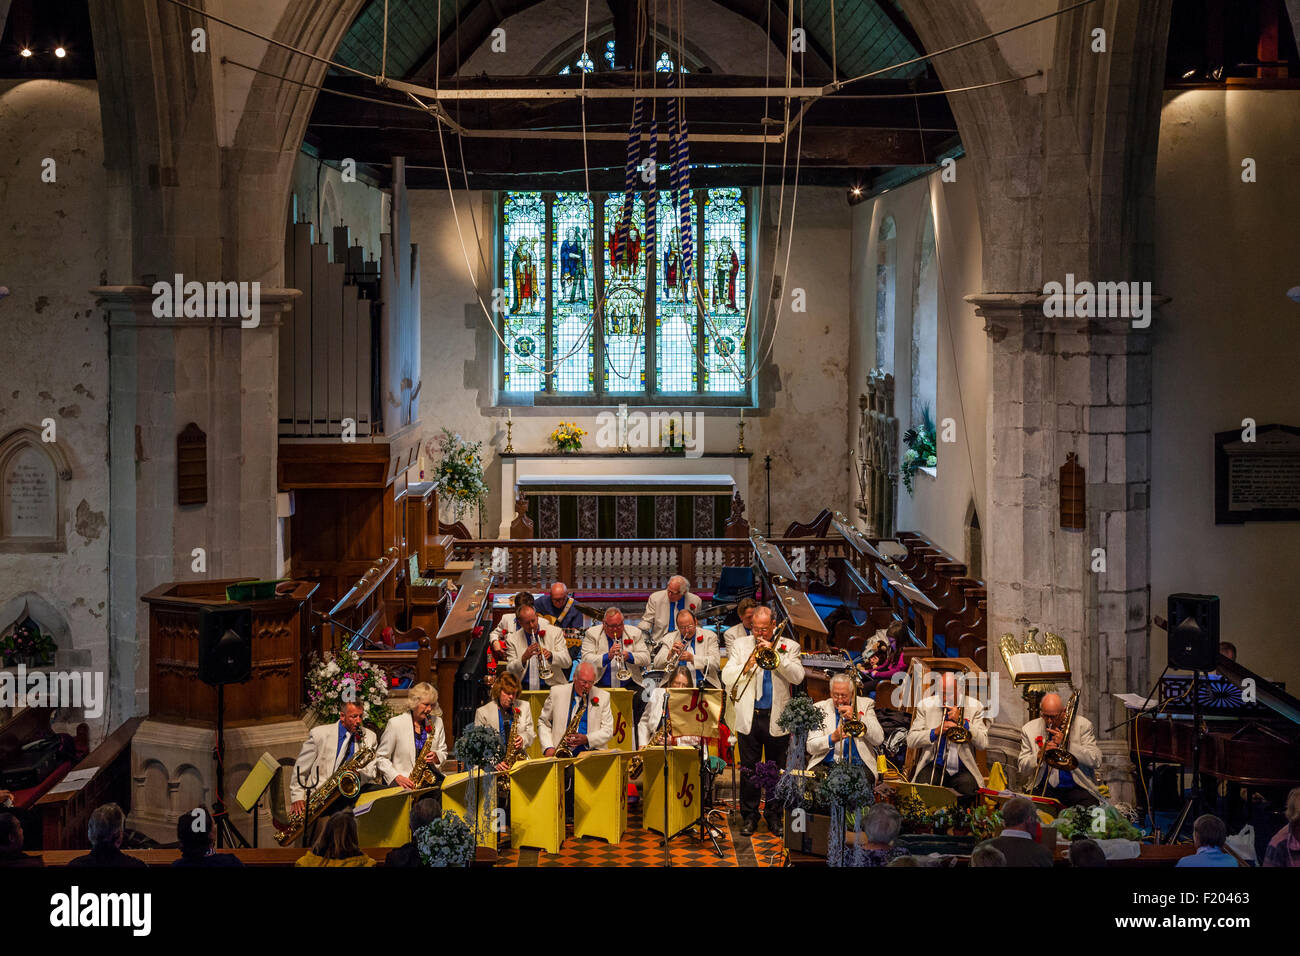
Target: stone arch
49, 618
33, 505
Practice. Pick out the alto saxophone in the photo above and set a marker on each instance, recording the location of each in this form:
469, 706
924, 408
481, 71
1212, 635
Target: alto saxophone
561, 750
422, 774
345, 780
513, 753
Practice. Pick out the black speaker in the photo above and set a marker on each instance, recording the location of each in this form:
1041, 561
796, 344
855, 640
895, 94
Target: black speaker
225, 645
1193, 632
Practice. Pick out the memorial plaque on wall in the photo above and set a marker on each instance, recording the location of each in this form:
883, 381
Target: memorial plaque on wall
1257, 480
30, 496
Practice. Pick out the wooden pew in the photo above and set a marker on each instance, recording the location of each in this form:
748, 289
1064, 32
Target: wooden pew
64, 815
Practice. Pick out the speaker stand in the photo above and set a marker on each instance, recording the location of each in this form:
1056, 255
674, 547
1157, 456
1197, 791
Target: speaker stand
227, 833
1192, 805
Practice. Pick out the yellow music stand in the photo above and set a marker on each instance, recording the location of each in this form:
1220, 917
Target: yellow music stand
536, 700
384, 816
600, 794
537, 804
682, 793
933, 797
455, 797
620, 705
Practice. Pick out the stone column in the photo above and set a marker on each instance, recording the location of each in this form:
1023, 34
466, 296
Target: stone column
1060, 385
164, 373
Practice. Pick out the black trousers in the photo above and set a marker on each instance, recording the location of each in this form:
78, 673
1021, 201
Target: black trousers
962, 781
753, 745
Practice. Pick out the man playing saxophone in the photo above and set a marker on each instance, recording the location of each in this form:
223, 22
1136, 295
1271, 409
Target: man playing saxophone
536, 652
415, 736
326, 748
574, 717
1045, 734
498, 713
757, 698
694, 646
842, 738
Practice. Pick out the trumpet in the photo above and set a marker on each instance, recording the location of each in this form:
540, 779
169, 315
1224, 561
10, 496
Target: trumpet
622, 673
767, 658
543, 662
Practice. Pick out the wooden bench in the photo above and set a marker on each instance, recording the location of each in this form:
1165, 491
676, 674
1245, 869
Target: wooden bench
64, 815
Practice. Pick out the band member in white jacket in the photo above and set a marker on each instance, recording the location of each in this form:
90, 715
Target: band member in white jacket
662, 608
755, 716
534, 641
594, 727
1045, 732
325, 749
496, 714
933, 718
406, 735
830, 744
696, 647
745, 611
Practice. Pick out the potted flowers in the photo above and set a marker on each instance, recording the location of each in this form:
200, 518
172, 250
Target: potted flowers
567, 437
25, 644
459, 474
345, 676
920, 448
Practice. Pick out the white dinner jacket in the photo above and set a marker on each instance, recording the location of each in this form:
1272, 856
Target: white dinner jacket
553, 640
1083, 744
705, 648
397, 746
819, 741
596, 642
729, 638
928, 716
554, 718
486, 716
658, 617
788, 673
654, 712
321, 753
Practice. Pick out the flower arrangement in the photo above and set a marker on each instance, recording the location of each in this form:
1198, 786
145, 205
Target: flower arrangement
27, 645
336, 677
1100, 822
459, 474
567, 437
446, 841
479, 747
849, 793
799, 719
920, 448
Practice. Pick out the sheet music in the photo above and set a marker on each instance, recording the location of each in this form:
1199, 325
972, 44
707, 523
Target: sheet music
1136, 701
1051, 663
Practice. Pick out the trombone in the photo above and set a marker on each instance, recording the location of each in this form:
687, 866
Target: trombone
955, 735
767, 658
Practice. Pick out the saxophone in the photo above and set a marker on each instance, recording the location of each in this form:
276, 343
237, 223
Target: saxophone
513, 754
345, 781
422, 774
636, 764
561, 750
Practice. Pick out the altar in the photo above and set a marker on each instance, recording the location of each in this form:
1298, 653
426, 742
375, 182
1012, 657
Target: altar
624, 495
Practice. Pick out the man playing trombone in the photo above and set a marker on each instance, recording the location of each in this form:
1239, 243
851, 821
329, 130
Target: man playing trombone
852, 731
1043, 747
947, 728
757, 699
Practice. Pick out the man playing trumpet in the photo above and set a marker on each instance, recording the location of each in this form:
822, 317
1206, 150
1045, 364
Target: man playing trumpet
405, 737
854, 732
536, 653
947, 728
1045, 734
498, 712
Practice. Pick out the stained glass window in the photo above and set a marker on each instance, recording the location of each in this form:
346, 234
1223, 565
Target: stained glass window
725, 290
624, 310
523, 220
676, 311
573, 274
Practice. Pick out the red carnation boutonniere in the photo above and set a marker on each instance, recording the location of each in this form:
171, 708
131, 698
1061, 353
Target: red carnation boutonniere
1038, 741
627, 642
518, 711
595, 701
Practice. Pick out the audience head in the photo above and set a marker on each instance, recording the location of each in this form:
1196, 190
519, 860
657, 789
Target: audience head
1086, 853
908, 860
11, 833
677, 587
195, 832
1209, 830
1292, 811
896, 632
106, 826
424, 811
883, 825
423, 698
505, 689
1019, 813
987, 855
338, 837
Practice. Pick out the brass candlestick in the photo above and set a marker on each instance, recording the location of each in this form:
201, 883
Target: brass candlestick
740, 445
510, 441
